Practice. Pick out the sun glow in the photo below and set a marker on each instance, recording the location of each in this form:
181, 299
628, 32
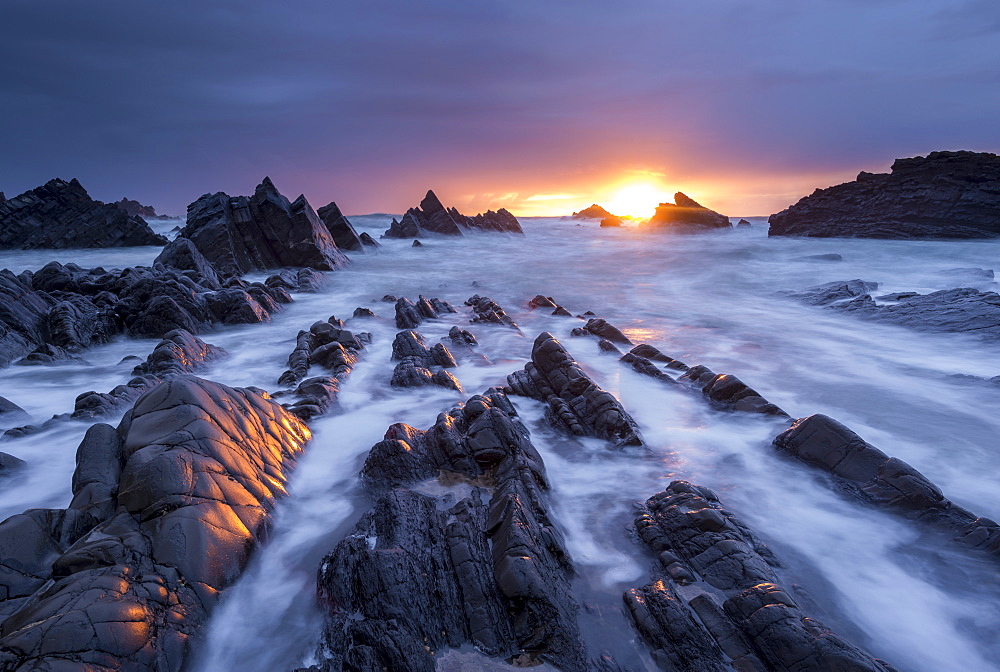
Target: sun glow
636, 200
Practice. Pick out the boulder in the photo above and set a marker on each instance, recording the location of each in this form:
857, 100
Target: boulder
185, 488
62, 214
686, 215
340, 228
239, 235
434, 218
942, 195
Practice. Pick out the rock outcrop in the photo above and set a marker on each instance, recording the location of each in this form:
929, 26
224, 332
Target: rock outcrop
433, 218
409, 315
595, 211
942, 195
716, 603
574, 401
265, 231
340, 228
416, 361
478, 564
166, 512
62, 214
687, 216
137, 209
489, 311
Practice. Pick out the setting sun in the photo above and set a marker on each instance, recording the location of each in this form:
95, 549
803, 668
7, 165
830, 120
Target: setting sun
636, 200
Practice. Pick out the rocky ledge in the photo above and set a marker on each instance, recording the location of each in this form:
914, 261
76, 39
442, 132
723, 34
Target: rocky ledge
687, 216
62, 214
942, 195
432, 217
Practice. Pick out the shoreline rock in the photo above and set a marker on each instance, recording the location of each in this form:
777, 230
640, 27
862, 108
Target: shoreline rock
685, 215
432, 217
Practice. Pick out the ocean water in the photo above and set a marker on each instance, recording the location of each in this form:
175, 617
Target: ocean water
715, 299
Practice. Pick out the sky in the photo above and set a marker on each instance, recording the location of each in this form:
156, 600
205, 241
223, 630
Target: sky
539, 107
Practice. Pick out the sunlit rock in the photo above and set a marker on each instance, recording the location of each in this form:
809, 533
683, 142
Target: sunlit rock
686, 215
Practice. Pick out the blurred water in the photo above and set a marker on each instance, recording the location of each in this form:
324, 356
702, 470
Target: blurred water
713, 299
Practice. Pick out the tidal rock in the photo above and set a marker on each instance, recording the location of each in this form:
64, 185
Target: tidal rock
22, 316
61, 214
198, 468
872, 476
432, 217
743, 224
409, 315
609, 222
594, 212
731, 613
492, 571
575, 402
942, 195
182, 255
686, 215
489, 311
136, 209
368, 240
415, 362
654, 355
832, 292
11, 413
326, 344
417, 243
240, 235
730, 392
462, 338
603, 329
363, 312
340, 228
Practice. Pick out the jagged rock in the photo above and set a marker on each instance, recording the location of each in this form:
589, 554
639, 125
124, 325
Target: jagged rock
363, 312
730, 392
300, 280
240, 235
182, 255
136, 209
22, 315
368, 240
489, 311
942, 195
491, 571
743, 224
831, 292
603, 329
575, 402
686, 215
410, 315
874, 477
61, 214
594, 212
340, 228
200, 467
651, 353
326, 344
742, 619
462, 337
415, 360
432, 217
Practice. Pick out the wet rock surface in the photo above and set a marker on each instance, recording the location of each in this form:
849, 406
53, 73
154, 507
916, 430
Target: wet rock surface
62, 214
489, 311
574, 401
167, 509
870, 475
716, 604
239, 234
432, 217
942, 195
340, 228
416, 361
409, 315
686, 215
479, 563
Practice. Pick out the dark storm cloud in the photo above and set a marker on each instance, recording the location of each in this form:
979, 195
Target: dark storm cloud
372, 102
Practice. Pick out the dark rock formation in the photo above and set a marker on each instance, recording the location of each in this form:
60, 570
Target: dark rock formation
182, 255
603, 329
167, 510
417, 243
942, 195
340, 228
731, 613
363, 312
575, 402
611, 222
432, 217
963, 310
595, 212
480, 564
10, 412
686, 215
462, 338
729, 392
409, 315
136, 209
61, 214
177, 354
489, 311
265, 231
872, 476
415, 362
743, 224
368, 240
651, 353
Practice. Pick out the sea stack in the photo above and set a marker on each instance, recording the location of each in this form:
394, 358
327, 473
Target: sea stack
432, 217
942, 195
687, 215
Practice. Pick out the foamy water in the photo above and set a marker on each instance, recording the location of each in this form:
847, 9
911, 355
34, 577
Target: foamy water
713, 299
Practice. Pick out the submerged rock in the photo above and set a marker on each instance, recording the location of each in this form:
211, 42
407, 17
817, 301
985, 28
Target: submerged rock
265, 231
167, 510
686, 215
433, 217
575, 402
942, 195
62, 214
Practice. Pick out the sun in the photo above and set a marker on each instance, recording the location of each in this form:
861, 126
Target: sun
636, 200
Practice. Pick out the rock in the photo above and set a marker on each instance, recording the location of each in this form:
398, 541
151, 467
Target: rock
200, 467
489, 311
743, 224
575, 403
822, 257
611, 221
686, 215
410, 315
182, 255
432, 217
61, 214
136, 209
603, 329
492, 570
11, 413
417, 243
22, 317
872, 476
730, 392
363, 312
325, 344
415, 362
340, 228
240, 235
595, 212
653, 354
368, 240
942, 195
742, 615
9, 463
832, 292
